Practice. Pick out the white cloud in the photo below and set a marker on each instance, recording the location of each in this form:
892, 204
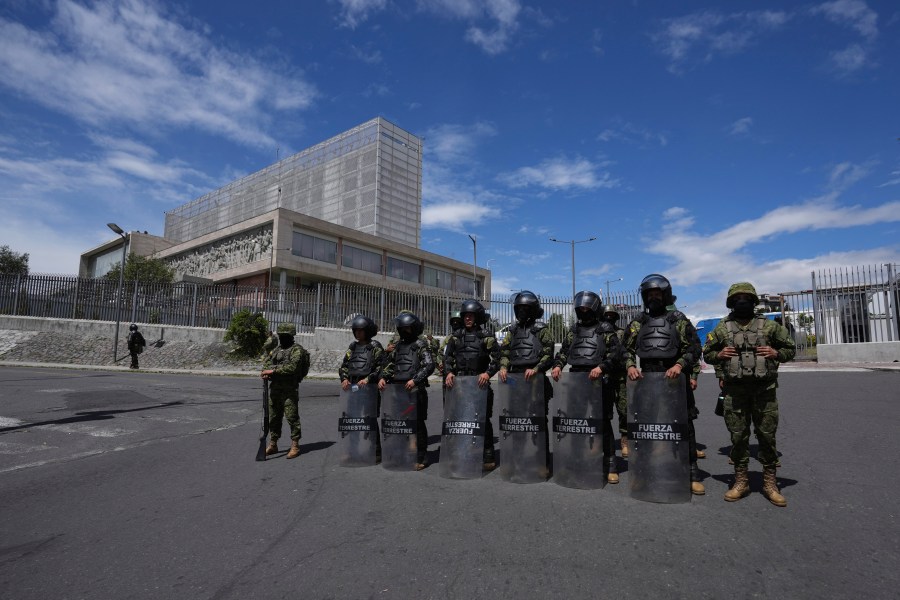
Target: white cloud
855, 14
455, 144
741, 126
354, 12
503, 14
126, 62
632, 134
849, 60
561, 173
701, 36
525, 258
456, 215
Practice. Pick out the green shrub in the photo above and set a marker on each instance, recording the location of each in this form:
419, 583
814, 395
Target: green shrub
248, 331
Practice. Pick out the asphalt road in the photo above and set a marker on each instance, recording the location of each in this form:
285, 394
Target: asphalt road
138, 485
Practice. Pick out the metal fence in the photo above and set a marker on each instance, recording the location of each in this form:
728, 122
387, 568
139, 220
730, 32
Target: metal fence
857, 305
323, 305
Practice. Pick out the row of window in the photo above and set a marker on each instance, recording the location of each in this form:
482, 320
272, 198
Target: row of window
315, 248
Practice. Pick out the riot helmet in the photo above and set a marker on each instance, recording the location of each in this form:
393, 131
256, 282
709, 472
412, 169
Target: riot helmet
586, 305
655, 281
408, 326
526, 306
366, 324
456, 321
133, 327
474, 306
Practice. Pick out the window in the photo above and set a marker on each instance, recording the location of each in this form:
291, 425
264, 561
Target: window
309, 246
465, 285
401, 269
364, 260
439, 279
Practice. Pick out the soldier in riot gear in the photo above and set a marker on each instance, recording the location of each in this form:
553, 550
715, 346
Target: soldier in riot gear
410, 363
746, 350
528, 348
361, 365
592, 346
617, 378
472, 351
665, 341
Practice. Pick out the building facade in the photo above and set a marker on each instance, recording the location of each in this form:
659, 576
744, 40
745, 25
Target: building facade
345, 210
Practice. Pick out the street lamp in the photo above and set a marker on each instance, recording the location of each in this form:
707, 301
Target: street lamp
573, 242
608, 281
474, 265
119, 231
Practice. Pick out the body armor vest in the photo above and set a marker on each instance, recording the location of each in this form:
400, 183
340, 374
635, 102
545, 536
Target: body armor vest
525, 347
361, 360
406, 360
747, 364
657, 338
471, 358
588, 347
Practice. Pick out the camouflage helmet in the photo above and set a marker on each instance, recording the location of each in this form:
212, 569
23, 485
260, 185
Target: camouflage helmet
588, 300
527, 302
366, 324
742, 287
473, 306
655, 281
610, 309
287, 329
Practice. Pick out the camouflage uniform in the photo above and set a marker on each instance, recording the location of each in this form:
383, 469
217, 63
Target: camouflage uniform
749, 388
422, 350
289, 366
377, 352
270, 344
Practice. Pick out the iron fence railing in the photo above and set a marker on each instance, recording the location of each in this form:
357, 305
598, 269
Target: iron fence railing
857, 304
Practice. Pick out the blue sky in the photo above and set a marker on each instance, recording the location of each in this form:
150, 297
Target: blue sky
708, 141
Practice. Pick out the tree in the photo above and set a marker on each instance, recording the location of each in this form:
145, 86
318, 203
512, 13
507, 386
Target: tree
248, 330
144, 269
13, 263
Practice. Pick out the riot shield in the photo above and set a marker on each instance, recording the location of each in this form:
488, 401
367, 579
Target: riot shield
398, 428
523, 429
578, 432
358, 426
462, 437
658, 463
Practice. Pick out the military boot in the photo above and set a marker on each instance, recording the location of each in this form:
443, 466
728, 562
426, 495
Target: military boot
624, 442
294, 452
770, 487
741, 485
489, 459
696, 487
612, 473
272, 448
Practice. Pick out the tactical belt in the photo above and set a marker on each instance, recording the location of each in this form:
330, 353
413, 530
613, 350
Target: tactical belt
657, 365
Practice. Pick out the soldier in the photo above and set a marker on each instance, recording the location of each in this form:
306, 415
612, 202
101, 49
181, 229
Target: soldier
617, 379
692, 382
471, 351
285, 369
528, 348
271, 343
136, 344
747, 349
410, 363
592, 346
665, 341
361, 365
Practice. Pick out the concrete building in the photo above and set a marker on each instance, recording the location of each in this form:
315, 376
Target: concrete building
347, 210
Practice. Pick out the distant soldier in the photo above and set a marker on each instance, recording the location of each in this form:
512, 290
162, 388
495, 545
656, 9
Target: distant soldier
284, 370
746, 349
471, 351
409, 364
136, 344
592, 346
271, 343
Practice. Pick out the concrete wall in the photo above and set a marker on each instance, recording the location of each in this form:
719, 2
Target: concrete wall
870, 352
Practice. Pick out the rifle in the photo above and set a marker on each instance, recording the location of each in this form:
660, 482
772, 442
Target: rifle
261, 452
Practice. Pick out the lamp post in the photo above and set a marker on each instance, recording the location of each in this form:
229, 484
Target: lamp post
119, 231
573, 242
474, 265
608, 281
